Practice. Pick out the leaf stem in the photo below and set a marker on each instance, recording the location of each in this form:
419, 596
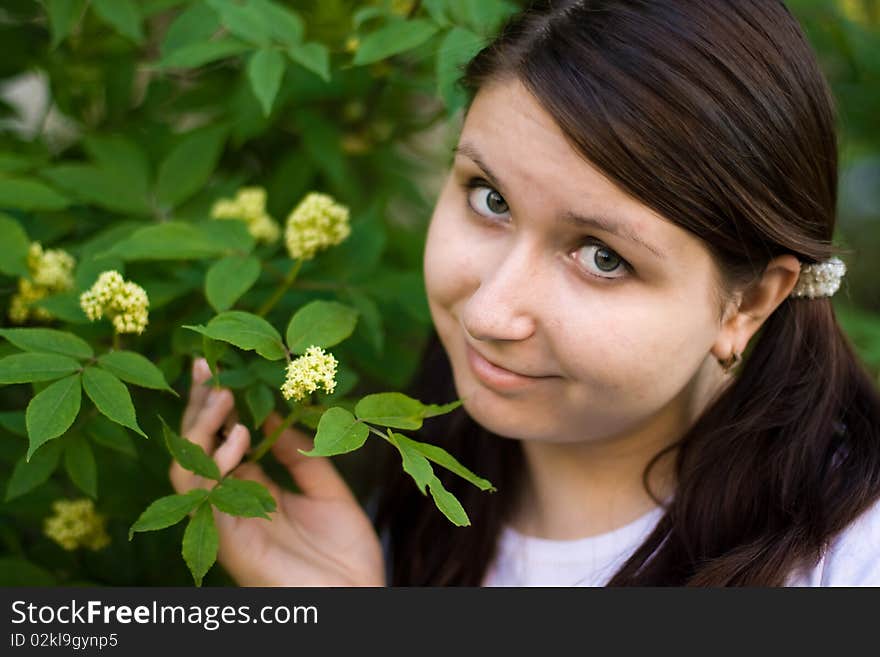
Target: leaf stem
281, 289
116, 343
266, 444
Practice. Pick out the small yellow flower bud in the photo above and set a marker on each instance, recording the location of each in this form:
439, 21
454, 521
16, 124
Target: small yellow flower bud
307, 372
124, 302
317, 223
51, 271
76, 524
249, 205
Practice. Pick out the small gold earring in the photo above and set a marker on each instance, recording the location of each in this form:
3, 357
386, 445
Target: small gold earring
731, 361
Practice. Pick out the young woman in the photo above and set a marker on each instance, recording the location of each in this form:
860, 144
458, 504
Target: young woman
629, 270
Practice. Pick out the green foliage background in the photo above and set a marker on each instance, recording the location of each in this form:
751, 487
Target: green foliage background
157, 108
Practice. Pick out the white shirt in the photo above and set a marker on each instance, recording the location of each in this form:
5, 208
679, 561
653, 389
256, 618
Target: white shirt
852, 559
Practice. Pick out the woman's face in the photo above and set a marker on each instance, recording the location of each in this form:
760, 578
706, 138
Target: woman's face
618, 322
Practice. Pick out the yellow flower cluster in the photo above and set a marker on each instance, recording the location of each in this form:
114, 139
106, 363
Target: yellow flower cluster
124, 302
50, 271
307, 372
76, 524
249, 205
316, 223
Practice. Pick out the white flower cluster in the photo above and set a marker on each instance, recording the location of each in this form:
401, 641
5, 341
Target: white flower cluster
821, 279
51, 271
307, 372
316, 223
249, 205
76, 524
124, 302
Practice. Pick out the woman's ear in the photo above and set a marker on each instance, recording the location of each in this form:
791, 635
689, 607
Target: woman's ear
755, 304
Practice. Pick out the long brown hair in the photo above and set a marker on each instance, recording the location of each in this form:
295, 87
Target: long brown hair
716, 115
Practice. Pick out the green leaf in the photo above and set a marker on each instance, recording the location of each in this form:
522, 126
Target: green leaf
405, 289
312, 56
63, 15
13, 255
443, 458
200, 542
448, 503
27, 475
189, 455
28, 367
79, 461
457, 48
27, 194
213, 350
167, 511
51, 340
414, 462
111, 397
260, 402
64, 306
265, 70
134, 368
233, 235
437, 10
243, 21
392, 409
364, 14
484, 17
283, 24
338, 432
242, 497
392, 39
20, 572
432, 410
322, 140
106, 188
189, 165
170, 240
245, 331
320, 323
12, 162
110, 435
235, 378
51, 412
13, 422
196, 24
229, 278
125, 159
122, 15
198, 54
371, 318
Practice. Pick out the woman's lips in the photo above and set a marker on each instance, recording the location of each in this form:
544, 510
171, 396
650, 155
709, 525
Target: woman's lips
498, 377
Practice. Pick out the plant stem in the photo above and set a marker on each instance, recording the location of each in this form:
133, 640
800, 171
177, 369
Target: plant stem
281, 289
266, 444
116, 343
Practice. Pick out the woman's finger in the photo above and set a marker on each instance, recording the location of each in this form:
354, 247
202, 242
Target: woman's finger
231, 450
209, 420
198, 391
315, 475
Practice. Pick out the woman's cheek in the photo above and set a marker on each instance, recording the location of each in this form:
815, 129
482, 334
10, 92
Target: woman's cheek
449, 263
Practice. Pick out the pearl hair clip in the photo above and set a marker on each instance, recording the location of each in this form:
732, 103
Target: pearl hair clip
821, 279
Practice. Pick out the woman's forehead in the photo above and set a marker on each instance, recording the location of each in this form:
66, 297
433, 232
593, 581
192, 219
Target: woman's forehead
508, 135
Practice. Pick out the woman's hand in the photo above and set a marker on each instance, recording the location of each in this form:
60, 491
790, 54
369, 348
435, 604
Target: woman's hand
321, 537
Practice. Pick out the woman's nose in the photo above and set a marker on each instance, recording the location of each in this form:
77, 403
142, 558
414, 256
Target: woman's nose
502, 308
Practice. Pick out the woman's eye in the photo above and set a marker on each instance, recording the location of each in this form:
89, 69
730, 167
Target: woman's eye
602, 262
484, 200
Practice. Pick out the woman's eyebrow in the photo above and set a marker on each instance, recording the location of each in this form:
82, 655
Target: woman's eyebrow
602, 223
